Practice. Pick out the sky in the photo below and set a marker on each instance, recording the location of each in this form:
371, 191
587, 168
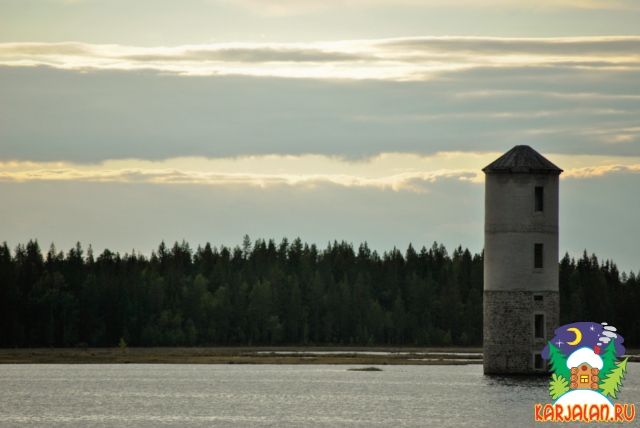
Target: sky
578, 336
125, 123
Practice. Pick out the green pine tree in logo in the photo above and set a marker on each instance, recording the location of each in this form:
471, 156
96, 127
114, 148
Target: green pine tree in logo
611, 384
609, 360
612, 373
560, 379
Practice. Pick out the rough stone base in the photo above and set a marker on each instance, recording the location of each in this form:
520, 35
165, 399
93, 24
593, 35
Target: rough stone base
509, 329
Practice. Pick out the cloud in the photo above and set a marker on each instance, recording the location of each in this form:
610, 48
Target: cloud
565, 46
394, 171
349, 99
414, 181
231, 52
587, 96
498, 115
598, 171
47, 49
293, 7
248, 54
416, 58
47, 114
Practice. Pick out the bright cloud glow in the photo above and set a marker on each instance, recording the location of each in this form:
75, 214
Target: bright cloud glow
598, 171
386, 171
420, 58
395, 171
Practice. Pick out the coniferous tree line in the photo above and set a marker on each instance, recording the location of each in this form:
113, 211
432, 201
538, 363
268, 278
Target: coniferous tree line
264, 293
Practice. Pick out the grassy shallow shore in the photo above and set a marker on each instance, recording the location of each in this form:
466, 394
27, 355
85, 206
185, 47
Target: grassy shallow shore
244, 355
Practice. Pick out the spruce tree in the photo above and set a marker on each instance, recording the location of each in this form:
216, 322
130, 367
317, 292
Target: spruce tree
609, 361
612, 383
558, 362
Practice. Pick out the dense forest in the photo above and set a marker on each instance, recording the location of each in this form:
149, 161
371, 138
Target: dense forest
264, 293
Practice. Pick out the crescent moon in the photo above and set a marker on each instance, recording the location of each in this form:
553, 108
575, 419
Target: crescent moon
578, 336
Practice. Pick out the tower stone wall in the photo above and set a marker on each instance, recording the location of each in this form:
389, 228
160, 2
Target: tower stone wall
510, 345
521, 297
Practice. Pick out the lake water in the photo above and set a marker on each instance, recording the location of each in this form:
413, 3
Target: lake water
148, 395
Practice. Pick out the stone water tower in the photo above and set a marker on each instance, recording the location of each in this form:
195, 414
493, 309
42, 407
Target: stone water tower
521, 297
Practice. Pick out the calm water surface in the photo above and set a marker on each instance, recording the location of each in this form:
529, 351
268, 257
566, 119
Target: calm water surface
150, 395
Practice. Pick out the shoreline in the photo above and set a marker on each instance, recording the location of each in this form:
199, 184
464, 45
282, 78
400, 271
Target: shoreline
245, 355
339, 355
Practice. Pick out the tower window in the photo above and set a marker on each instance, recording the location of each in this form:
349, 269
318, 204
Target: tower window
538, 362
538, 298
539, 199
537, 256
539, 326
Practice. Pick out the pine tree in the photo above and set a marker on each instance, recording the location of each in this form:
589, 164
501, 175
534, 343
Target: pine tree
609, 361
558, 362
559, 385
246, 247
612, 383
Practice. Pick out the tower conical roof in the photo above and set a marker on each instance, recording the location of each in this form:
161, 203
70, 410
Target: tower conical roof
522, 159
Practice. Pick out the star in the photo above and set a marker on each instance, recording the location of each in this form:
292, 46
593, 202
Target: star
559, 343
592, 329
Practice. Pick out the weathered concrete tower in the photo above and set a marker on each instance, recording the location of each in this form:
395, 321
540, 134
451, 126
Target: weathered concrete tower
521, 297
